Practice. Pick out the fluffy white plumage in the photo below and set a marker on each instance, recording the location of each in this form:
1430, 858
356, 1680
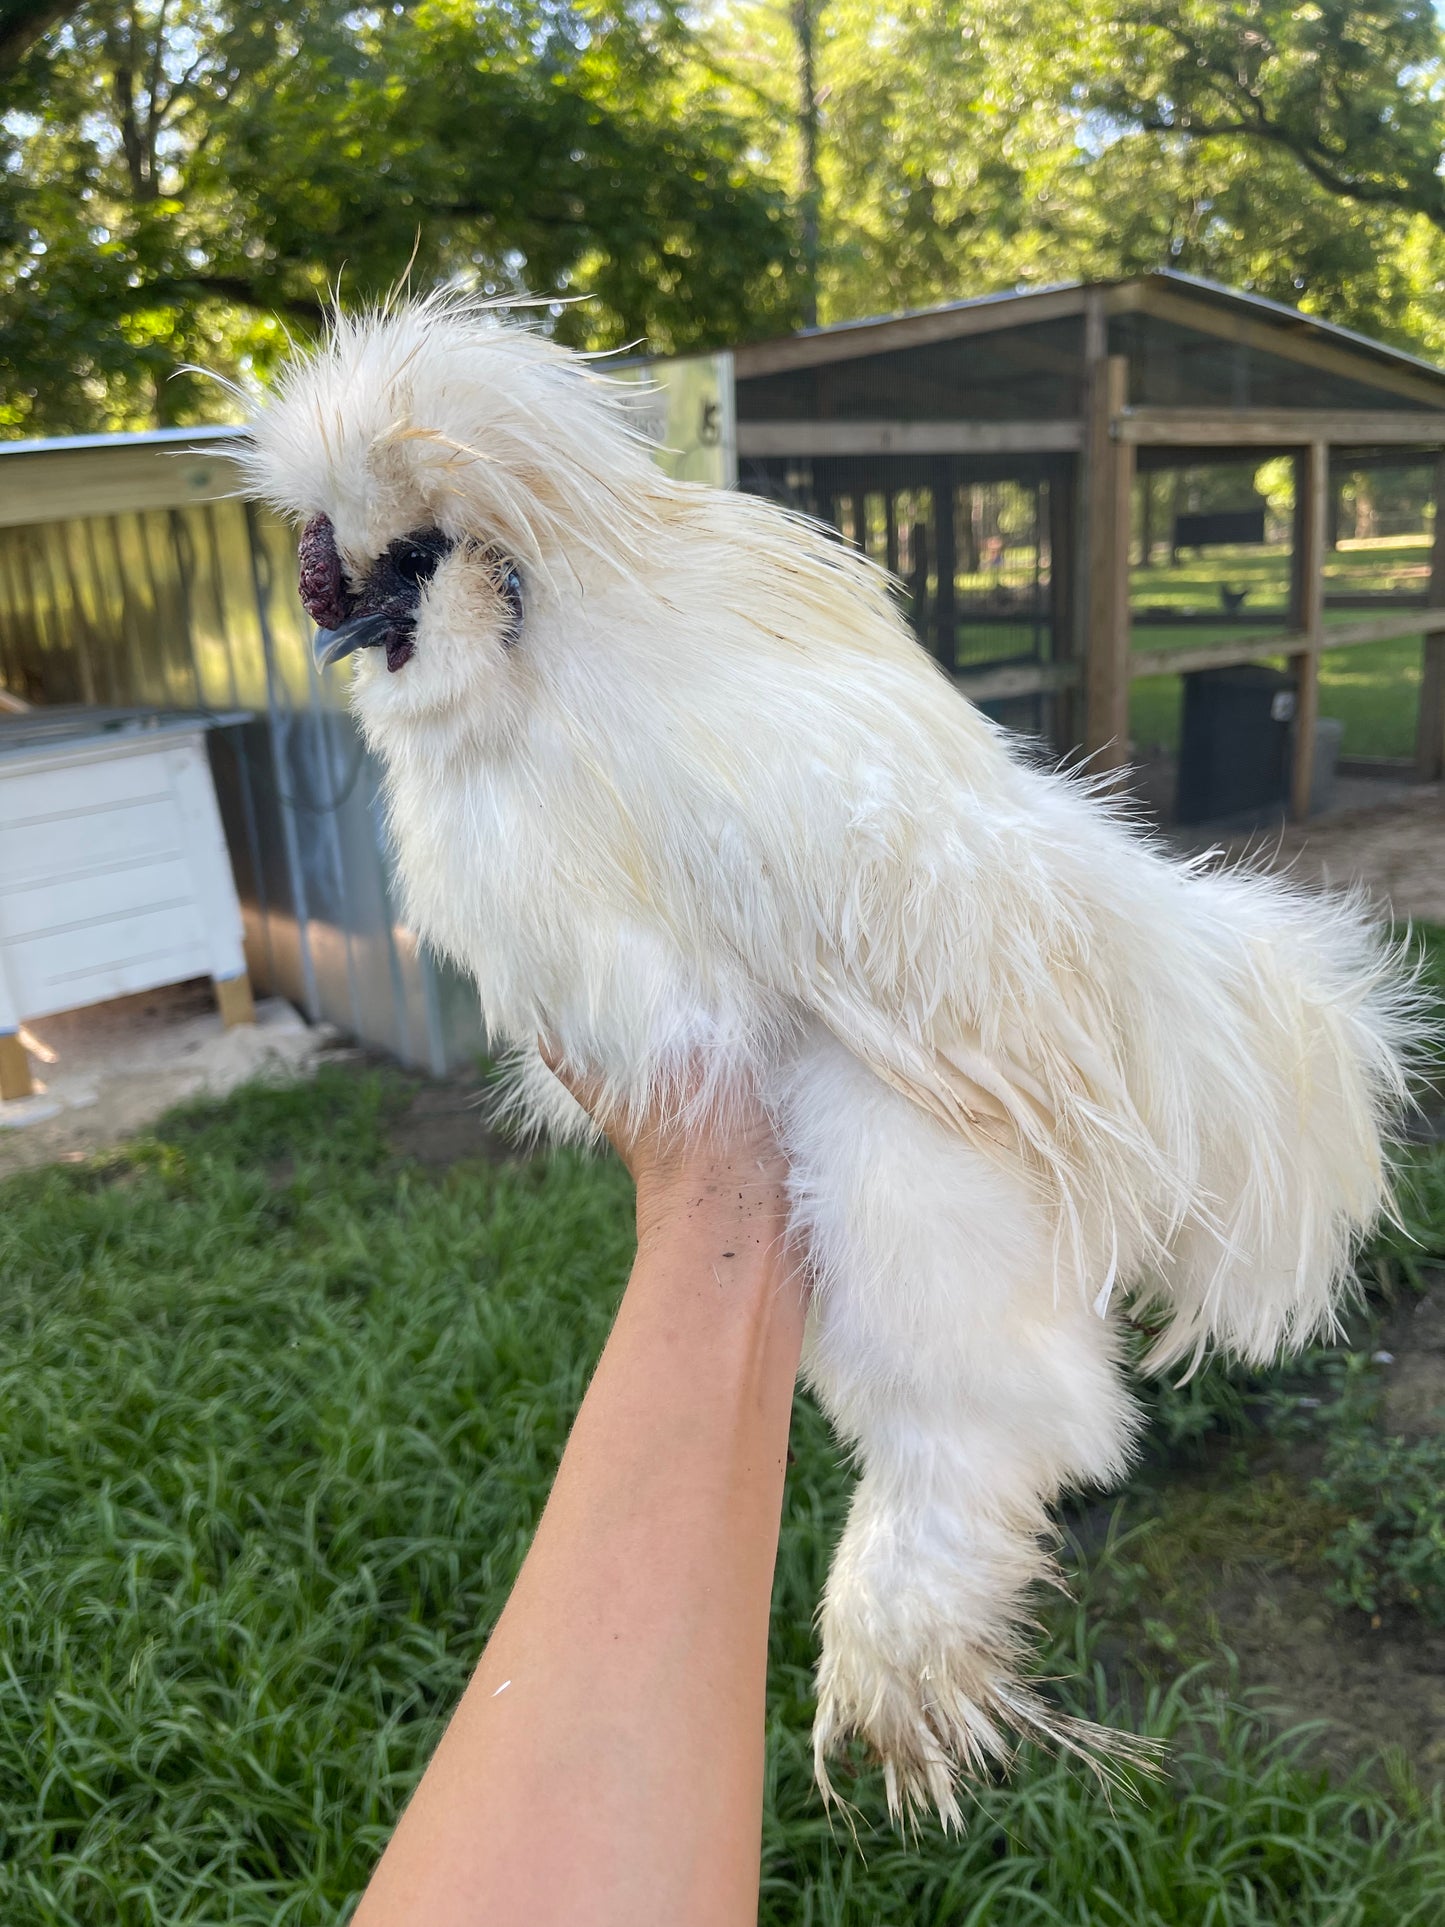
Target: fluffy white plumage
712, 804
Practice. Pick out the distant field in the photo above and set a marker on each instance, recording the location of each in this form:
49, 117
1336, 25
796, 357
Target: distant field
1373, 691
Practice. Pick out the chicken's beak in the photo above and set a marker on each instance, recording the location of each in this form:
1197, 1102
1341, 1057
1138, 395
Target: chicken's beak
362, 632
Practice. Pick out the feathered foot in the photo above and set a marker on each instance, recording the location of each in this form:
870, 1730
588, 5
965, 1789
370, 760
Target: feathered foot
920, 1661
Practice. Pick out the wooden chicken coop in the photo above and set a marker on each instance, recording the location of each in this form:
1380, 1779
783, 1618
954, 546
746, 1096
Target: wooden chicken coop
1082, 488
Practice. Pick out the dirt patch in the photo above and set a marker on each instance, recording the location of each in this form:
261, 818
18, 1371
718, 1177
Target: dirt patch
1235, 1559
109, 1071
1412, 1367
1374, 1683
445, 1124
1236, 1579
1396, 850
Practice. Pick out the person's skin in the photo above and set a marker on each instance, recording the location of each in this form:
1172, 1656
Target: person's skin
605, 1766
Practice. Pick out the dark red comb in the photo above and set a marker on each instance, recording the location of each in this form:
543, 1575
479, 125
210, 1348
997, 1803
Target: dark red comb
324, 593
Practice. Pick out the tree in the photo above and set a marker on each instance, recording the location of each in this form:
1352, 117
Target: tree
186, 175
964, 147
1351, 89
183, 177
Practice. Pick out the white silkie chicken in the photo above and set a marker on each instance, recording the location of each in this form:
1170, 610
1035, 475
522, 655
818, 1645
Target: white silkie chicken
669, 775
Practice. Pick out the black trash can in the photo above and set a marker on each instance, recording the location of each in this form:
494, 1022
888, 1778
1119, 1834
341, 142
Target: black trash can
1234, 747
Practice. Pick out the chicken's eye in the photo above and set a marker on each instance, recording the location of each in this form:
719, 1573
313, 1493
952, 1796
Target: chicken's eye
414, 558
508, 579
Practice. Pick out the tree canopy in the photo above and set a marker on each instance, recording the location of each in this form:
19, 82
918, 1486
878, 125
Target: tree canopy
183, 178
187, 180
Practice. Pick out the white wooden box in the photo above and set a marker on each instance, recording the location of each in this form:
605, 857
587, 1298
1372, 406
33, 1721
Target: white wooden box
114, 873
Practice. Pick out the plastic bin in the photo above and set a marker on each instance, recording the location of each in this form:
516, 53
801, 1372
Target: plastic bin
1234, 747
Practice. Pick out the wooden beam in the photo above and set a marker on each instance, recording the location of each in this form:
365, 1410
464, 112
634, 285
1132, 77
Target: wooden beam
1283, 642
1404, 622
1291, 340
234, 1000
15, 1079
857, 338
51, 485
1017, 679
1211, 655
1066, 730
945, 613
1108, 480
1278, 427
1430, 721
1312, 513
826, 438
1085, 515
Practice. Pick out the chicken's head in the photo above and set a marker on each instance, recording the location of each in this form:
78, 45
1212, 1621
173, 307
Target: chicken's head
462, 485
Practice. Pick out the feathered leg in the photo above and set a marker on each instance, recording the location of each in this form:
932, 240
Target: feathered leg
973, 1394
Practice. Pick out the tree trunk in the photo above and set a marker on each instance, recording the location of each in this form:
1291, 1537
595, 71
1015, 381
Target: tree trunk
811, 198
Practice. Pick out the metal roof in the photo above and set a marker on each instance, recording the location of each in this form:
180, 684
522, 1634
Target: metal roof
1019, 307
125, 438
1281, 314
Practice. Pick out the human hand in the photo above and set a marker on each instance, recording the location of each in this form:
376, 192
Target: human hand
730, 1171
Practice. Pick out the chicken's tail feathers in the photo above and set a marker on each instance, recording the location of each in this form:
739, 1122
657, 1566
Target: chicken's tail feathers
1286, 1108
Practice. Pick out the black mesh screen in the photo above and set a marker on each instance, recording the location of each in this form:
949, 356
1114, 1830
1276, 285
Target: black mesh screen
1015, 374
1177, 367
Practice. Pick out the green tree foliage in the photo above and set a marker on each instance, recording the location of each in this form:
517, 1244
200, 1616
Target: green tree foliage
185, 176
185, 179
1350, 89
22, 23
965, 147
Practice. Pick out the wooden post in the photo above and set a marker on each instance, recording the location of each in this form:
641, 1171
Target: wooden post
1430, 724
15, 1078
1063, 521
945, 608
1108, 483
917, 579
1312, 534
1146, 519
234, 1000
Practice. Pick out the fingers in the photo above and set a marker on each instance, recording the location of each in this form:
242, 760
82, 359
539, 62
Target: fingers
584, 1087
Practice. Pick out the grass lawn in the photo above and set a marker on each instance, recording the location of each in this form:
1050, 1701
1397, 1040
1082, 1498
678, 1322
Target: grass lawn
1373, 690
279, 1412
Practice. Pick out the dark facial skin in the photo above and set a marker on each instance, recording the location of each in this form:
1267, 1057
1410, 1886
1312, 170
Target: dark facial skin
388, 597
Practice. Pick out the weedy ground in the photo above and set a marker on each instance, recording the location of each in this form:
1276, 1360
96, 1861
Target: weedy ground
282, 1388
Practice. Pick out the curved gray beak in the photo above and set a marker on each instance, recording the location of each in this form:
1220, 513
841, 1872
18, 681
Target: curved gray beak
362, 632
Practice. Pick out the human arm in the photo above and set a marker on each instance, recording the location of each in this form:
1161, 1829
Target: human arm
605, 1765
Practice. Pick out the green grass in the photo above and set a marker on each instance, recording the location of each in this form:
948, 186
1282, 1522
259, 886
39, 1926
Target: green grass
277, 1418
1373, 691
1398, 564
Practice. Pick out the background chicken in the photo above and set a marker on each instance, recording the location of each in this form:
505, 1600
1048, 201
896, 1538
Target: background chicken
670, 777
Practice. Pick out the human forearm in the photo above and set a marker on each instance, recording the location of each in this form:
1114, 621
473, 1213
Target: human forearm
605, 1765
